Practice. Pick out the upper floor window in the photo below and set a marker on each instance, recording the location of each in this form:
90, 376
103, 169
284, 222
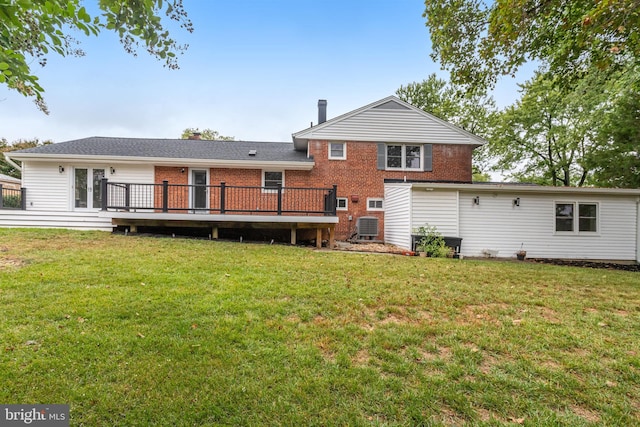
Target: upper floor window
405, 157
337, 150
580, 217
272, 180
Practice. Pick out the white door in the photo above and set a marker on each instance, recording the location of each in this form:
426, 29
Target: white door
87, 189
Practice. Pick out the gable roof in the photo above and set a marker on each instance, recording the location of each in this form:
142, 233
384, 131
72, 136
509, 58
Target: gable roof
171, 151
387, 120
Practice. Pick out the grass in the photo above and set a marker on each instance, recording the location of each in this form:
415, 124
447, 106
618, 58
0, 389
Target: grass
145, 331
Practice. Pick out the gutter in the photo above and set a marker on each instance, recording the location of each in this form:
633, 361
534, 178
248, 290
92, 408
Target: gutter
11, 162
171, 161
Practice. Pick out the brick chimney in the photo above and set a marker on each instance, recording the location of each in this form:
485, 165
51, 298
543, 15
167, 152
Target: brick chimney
322, 111
195, 135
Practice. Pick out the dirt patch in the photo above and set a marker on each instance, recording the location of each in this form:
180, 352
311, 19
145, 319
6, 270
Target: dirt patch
587, 414
7, 263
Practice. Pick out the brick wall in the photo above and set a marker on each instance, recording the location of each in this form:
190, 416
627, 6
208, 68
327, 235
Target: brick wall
357, 177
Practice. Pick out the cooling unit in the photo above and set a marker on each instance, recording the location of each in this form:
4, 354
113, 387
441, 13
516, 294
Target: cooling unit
367, 226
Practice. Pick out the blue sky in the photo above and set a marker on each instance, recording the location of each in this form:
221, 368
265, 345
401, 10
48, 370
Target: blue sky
255, 70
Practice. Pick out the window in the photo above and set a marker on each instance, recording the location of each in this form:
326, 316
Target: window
342, 204
587, 217
375, 204
586, 220
337, 151
404, 157
564, 216
271, 180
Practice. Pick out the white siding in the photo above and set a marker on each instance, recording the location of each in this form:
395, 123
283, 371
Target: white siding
497, 224
397, 215
47, 188
437, 208
384, 125
51, 219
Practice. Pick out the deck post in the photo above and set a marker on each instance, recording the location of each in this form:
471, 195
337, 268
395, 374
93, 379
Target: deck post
223, 187
318, 237
103, 190
332, 237
1, 197
279, 199
294, 237
127, 196
334, 200
165, 196
23, 198
214, 232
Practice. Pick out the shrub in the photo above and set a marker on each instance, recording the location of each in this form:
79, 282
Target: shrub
432, 242
12, 201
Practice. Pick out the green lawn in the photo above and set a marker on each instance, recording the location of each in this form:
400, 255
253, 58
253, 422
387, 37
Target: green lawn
159, 331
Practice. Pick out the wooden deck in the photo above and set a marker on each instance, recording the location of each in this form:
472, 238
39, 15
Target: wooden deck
323, 225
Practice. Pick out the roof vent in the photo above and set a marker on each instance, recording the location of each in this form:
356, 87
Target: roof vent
253, 152
367, 226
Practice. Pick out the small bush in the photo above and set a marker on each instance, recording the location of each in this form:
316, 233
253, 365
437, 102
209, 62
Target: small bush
11, 201
432, 242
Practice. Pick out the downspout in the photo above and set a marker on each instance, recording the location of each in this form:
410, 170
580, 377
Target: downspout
11, 162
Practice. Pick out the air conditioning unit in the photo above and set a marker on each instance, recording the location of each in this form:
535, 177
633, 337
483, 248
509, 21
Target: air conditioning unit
367, 226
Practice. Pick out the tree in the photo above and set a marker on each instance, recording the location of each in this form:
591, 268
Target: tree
616, 162
21, 144
207, 134
32, 29
478, 41
472, 112
550, 137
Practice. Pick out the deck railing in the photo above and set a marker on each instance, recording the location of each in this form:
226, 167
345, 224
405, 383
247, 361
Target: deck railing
13, 198
219, 199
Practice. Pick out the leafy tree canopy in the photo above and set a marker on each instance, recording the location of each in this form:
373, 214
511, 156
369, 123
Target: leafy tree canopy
21, 144
32, 29
472, 112
478, 41
206, 134
588, 135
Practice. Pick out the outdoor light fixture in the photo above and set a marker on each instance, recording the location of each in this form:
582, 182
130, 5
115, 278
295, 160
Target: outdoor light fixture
112, 170
516, 201
60, 169
476, 200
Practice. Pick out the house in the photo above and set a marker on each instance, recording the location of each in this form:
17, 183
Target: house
377, 172
7, 181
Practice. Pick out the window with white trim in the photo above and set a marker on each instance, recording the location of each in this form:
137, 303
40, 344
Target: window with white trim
342, 204
575, 217
337, 151
375, 204
272, 179
404, 157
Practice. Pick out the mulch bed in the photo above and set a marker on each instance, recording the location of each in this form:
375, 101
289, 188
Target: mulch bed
588, 264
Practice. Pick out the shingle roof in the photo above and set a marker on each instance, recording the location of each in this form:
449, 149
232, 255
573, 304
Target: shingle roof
173, 148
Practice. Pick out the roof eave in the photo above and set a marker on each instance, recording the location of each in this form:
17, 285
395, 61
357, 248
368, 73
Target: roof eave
168, 161
519, 188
